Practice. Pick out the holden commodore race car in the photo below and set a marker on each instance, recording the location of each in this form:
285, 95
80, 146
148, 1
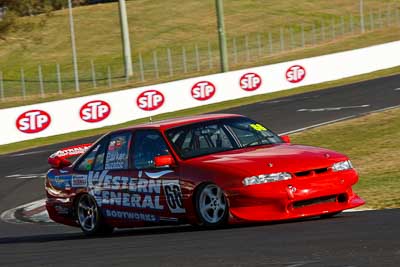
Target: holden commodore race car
206, 170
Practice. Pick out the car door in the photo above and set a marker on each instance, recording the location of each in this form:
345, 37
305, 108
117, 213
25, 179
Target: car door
111, 178
160, 184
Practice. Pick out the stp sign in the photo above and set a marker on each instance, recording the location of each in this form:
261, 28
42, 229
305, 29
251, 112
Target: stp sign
250, 81
203, 90
33, 121
150, 100
295, 74
95, 111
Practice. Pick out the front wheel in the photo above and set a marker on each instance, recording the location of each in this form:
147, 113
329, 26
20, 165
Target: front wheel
89, 216
211, 206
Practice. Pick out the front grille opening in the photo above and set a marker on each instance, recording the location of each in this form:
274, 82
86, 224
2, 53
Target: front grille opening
319, 171
311, 172
302, 174
342, 198
314, 201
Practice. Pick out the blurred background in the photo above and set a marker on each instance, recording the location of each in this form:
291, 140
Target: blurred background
171, 40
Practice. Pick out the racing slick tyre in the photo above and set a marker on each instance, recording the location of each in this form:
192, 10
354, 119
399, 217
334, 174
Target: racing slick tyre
211, 206
89, 217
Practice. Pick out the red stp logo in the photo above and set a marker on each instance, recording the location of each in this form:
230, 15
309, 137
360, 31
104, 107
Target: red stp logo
203, 90
150, 100
250, 81
33, 121
295, 74
95, 111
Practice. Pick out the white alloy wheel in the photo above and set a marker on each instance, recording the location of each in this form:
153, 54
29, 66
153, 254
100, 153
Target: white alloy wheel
211, 205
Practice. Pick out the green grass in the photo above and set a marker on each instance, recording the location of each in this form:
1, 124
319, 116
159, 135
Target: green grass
202, 109
372, 142
158, 25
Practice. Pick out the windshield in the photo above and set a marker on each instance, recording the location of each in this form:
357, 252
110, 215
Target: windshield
216, 136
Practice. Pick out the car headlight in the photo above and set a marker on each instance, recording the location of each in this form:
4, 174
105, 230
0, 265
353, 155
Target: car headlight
267, 178
342, 166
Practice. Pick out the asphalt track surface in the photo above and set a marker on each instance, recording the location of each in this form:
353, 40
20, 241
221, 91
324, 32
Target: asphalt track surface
368, 238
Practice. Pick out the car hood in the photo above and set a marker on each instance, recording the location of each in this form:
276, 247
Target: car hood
272, 158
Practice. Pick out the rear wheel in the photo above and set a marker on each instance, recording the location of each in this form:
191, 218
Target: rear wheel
211, 205
89, 216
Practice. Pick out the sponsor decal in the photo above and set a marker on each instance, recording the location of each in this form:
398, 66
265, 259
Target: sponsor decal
258, 127
60, 181
131, 192
203, 91
79, 181
295, 74
250, 81
62, 210
33, 121
116, 160
173, 195
95, 111
150, 100
156, 175
135, 216
71, 151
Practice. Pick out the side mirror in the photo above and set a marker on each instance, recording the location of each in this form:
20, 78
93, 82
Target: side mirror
285, 138
163, 161
58, 163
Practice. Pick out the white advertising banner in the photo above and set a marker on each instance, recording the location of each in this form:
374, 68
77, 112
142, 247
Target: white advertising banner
95, 111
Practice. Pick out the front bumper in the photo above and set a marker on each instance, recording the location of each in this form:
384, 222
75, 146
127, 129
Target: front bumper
295, 198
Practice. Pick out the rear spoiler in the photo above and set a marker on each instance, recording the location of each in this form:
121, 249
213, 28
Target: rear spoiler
59, 159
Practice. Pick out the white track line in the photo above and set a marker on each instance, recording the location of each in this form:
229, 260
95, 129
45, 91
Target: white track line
317, 125
35, 205
331, 108
29, 153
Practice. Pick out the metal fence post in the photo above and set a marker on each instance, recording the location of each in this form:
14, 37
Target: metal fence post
259, 45
23, 85
314, 35
342, 24
246, 47
303, 38
282, 39
292, 42
155, 63
196, 49
271, 49
184, 59
371, 21
94, 82
380, 18
169, 58
333, 26
141, 66
323, 31
41, 85
388, 15
1, 87
59, 79
109, 77
397, 14
362, 24
234, 50
351, 23
210, 56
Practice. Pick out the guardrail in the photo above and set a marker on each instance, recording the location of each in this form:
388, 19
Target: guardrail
95, 111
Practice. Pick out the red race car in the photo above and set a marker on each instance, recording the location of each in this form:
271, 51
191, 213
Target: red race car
204, 170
